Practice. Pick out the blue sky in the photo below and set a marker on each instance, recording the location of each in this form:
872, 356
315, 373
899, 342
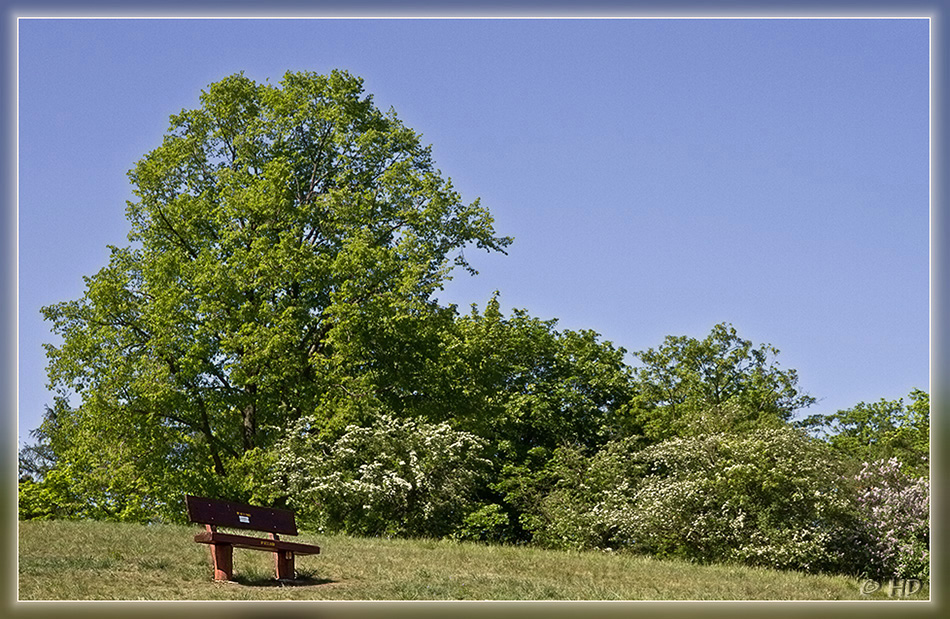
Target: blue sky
659, 176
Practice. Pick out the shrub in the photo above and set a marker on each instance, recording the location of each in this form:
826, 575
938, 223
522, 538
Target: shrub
71, 492
896, 511
770, 497
397, 477
489, 523
36, 501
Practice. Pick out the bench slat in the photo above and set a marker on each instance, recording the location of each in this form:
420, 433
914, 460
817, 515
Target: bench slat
239, 516
255, 543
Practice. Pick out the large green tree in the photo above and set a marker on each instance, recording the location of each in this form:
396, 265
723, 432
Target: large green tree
277, 233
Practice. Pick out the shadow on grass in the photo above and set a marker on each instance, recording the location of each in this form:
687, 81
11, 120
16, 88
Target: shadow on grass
302, 580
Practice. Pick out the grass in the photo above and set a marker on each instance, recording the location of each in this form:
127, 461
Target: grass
63, 560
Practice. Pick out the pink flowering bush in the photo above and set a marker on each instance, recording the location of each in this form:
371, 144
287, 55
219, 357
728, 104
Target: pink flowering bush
896, 511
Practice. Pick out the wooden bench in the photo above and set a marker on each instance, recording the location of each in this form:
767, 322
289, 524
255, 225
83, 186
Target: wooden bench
214, 513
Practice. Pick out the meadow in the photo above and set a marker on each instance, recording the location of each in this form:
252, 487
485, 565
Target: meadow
89, 560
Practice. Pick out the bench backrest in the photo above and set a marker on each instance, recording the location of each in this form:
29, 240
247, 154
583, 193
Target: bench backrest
240, 516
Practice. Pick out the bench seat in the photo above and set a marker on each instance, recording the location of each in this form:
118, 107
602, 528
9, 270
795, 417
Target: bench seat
255, 543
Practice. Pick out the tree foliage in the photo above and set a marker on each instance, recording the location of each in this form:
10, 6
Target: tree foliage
880, 431
719, 383
277, 234
523, 384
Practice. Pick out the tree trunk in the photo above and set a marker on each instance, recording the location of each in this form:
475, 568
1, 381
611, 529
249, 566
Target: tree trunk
250, 419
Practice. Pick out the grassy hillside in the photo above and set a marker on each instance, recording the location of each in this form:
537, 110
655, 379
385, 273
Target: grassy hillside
98, 560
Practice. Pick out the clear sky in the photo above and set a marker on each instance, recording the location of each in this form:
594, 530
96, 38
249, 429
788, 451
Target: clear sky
659, 176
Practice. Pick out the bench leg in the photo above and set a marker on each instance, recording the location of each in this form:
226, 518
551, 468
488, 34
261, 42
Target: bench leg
222, 559
285, 565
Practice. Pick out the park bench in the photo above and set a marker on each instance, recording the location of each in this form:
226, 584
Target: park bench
214, 513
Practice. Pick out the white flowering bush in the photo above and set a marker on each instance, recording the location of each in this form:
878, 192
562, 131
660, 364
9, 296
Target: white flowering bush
895, 507
398, 477
770, 497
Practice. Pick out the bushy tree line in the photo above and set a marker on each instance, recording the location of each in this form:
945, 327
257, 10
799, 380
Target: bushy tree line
272, 335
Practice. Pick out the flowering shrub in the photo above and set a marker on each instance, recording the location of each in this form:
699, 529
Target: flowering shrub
398, 477
769, 497
896, 511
